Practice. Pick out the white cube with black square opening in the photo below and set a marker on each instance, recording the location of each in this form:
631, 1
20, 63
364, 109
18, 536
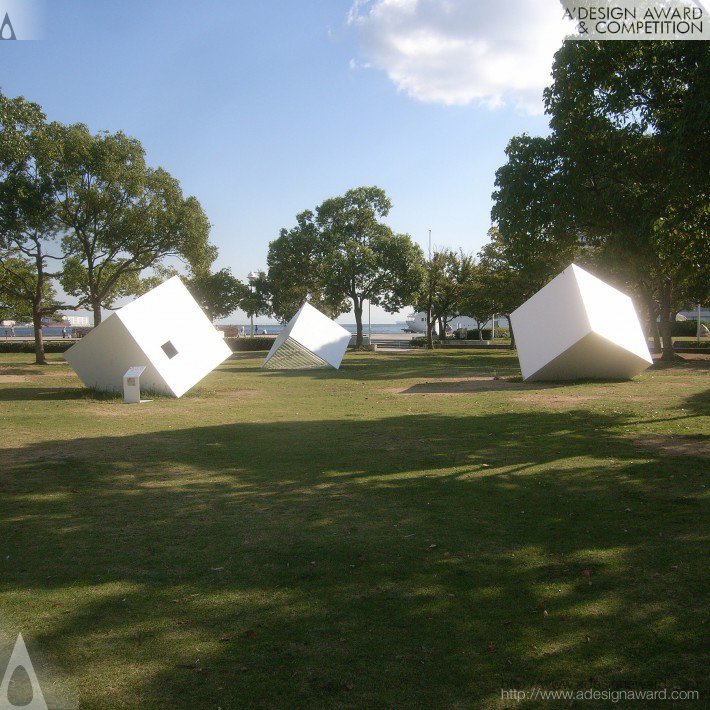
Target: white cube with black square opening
579, 327
311, 340
165, 329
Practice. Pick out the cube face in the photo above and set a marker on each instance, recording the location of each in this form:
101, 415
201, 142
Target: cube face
579, 327
165, 330
310, 341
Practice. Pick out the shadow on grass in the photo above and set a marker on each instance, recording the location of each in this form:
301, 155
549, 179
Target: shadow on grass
389, 366
411, 561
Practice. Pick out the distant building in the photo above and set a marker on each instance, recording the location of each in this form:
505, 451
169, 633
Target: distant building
76, 321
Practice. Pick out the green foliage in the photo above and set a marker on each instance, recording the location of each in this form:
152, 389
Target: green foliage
421, 342
682, 328
18, 288
344, 252
296, 274
249, 344
256, 301
28, 224
219, 293
120, 217
28, 346
624, 176
447, 281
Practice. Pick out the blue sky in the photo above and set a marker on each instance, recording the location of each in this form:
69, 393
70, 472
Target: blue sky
262, 108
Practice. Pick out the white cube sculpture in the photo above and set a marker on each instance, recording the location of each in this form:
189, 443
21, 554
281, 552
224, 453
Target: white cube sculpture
165, 330
579, 327
310, 340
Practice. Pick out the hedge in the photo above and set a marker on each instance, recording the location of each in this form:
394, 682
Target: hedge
28, 346
684, 328
420, 342
247, 344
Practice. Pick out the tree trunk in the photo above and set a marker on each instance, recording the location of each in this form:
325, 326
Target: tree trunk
96, 308
442, 329
652, 315
357, 307
40, 358
429, 341
665, 325
512, 334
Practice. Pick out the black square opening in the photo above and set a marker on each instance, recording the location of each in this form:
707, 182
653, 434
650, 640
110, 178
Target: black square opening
169, 349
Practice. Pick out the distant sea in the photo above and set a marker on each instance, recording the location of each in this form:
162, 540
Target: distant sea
21, 332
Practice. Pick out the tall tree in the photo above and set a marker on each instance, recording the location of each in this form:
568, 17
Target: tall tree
257, 299
632, 124
28, 224
448, 275
362, 258
120, 217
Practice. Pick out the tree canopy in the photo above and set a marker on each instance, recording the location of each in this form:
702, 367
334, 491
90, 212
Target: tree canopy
344, 254
623, 177
120, 217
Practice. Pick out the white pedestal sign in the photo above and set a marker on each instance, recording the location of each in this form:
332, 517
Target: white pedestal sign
132, 385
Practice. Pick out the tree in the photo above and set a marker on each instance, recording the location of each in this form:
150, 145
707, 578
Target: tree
507, 286
219, 293
344, 254
448, 275
361, 258
27, 212
256, 300
120, 217
478, 301
295, 271
631, 123
18, 290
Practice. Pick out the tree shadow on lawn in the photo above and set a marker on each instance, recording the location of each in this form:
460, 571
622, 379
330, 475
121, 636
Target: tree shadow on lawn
387, 366
411, 561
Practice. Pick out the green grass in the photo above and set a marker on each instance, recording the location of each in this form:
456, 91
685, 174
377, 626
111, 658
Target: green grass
382, 536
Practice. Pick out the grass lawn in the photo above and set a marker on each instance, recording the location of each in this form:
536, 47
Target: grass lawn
406, 532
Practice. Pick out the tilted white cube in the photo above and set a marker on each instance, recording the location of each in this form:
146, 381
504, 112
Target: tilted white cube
310, 340
165, 330
579, 327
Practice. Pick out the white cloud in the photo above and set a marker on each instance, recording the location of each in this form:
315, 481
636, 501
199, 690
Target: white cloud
456, 52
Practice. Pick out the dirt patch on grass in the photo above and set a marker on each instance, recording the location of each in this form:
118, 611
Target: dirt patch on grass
695, 361
11, 379
675, 445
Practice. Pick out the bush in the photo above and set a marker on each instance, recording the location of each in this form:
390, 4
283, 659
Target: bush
473, 334
420, 342
691, 345
259, 342
28, 346
684, 328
